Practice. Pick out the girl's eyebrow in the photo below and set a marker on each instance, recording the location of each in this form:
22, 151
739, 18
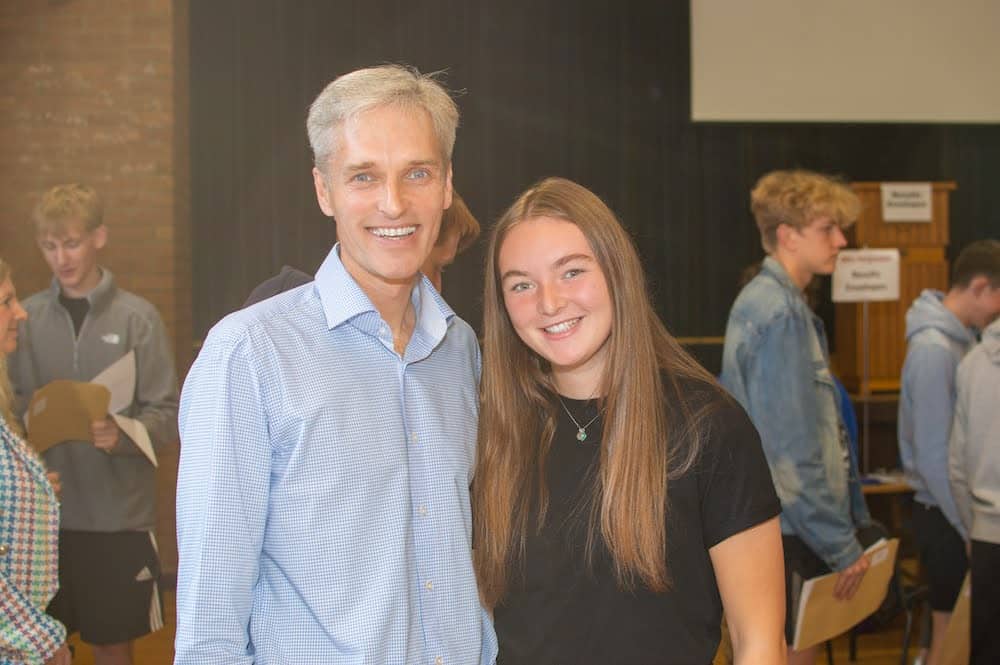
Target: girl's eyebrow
558, 263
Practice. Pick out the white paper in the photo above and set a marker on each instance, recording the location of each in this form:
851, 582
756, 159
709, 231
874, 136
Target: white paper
138, 433
119, 378
866, 275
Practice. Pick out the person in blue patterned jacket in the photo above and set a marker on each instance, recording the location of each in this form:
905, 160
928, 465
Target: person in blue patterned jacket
29, 524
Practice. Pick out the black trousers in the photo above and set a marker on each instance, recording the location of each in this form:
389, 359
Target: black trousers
985, 567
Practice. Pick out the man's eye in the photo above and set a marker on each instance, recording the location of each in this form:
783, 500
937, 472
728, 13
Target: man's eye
419, 174
362, 177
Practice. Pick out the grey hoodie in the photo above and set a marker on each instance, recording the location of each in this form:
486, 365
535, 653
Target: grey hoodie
101, 492
936, 342
974, 451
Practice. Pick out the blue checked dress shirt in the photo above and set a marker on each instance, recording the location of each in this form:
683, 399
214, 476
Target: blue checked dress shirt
323, 509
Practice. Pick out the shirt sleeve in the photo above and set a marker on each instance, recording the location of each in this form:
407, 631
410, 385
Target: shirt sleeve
222, 495
27, 634
956, 461
931, 379
784, 405
155, 404
737, 492
156, 385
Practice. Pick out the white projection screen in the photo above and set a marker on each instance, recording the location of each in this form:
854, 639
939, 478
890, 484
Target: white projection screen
927, 61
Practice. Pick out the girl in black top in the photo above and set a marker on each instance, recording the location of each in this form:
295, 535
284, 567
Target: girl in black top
621, 499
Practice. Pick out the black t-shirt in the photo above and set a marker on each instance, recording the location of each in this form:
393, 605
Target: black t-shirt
561, 611
77, 308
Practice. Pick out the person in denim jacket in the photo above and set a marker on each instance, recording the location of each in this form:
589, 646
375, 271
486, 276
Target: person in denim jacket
775, 363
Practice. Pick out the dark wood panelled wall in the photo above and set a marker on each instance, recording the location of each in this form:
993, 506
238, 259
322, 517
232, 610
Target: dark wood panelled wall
594, 91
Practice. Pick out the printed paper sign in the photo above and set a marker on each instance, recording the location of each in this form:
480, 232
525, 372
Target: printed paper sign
906, 202
866, 275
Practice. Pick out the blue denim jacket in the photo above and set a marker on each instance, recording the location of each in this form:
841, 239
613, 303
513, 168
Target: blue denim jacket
775, 363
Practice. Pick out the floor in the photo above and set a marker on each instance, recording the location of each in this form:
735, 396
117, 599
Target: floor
881, 648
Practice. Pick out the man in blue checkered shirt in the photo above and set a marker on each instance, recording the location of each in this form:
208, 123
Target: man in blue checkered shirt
328, 433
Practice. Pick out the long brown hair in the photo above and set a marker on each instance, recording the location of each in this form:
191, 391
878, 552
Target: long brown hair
6, 392
640, 449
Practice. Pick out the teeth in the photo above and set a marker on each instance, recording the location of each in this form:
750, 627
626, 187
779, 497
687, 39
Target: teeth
562, 327
393, 231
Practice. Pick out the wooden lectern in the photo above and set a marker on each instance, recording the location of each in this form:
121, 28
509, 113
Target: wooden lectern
922, 265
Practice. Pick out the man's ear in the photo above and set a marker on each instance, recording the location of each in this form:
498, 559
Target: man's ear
100, 236
978, 285
785, 237
322, 192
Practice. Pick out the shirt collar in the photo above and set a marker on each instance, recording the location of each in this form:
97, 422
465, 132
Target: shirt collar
343, 299
98, 295
772, 267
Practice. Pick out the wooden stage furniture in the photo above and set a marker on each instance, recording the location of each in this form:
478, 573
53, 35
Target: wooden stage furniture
923, 265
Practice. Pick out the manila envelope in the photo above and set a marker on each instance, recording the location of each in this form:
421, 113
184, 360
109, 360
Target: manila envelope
62, 410
822, 617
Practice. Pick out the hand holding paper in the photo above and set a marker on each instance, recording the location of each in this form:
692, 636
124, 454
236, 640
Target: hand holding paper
849, 579
73, 411
821, 615
105, 434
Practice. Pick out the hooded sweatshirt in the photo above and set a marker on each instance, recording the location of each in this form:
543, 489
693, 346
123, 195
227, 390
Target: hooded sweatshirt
974, 452
936, 342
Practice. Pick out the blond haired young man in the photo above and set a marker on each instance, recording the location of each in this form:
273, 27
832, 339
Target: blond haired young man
108, 565
775, 362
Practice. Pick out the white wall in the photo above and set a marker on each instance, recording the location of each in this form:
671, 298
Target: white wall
845, 60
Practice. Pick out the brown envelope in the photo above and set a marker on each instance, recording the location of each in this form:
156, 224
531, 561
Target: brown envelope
63, 410
822, 617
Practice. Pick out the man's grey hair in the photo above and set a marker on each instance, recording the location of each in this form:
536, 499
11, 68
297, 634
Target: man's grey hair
364, 89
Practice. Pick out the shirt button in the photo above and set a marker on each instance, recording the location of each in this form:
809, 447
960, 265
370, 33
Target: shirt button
429, 585
414, 438
422, 510
439, 661
4, 549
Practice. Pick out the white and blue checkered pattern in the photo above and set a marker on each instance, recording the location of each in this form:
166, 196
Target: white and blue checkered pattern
323, 497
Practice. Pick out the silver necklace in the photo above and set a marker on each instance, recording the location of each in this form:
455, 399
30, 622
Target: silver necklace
581, 430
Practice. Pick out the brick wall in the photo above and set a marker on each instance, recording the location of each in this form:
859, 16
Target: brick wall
95, 91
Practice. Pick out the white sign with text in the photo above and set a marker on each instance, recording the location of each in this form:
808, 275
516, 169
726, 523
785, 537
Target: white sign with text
866, 275
907, 202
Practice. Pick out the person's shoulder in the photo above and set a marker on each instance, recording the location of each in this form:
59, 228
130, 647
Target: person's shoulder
930, 348
460, 328
288, 278
929, 338
703, 399
707, 400
287, 311
38, 301
135, 303
764, 302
